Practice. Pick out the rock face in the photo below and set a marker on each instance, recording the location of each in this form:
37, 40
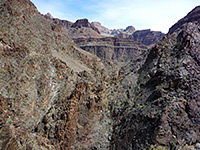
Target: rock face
147, 37
102, 29
84, 23
128, 31
80, 29
53, 94
164, 112
192, 16
83, 29
64, 23
48, 15
117, 50
125, 33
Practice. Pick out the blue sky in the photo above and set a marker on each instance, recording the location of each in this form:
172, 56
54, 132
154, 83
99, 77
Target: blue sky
158, 15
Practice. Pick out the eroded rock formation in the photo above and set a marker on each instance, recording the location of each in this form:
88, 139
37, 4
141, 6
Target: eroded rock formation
53, 94
164, 113
147, 37
117, 50
102, 29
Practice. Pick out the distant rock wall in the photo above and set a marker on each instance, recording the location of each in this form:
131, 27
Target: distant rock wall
119, 51
147, 37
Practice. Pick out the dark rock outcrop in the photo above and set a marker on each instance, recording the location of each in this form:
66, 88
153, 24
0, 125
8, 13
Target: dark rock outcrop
164, 113
192, 16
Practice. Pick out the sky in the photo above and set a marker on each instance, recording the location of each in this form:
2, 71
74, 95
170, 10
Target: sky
157, 15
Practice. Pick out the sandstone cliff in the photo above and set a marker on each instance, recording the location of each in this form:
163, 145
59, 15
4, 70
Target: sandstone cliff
53, 94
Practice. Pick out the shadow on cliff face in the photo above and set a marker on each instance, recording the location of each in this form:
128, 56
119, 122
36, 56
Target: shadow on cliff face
165, 110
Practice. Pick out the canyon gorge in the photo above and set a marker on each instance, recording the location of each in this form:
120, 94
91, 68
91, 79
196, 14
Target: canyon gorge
81, 86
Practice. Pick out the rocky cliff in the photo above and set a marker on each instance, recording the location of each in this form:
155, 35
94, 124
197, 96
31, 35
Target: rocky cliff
64, 23
53, 94
147, 37
117, 50
164, 111
102, 29
82, 28
84, 23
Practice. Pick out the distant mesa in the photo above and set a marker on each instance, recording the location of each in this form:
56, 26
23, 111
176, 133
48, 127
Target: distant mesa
84, 23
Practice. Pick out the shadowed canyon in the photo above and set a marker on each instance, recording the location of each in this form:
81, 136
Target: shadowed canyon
81, 86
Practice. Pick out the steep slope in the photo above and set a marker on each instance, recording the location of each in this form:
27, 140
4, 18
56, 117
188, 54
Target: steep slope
53, 94
165, 114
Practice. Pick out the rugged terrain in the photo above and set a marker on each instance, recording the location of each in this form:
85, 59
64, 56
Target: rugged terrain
117, 50
147, 37
98, 40
82, 28
103, 30
53, 94
164, 112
